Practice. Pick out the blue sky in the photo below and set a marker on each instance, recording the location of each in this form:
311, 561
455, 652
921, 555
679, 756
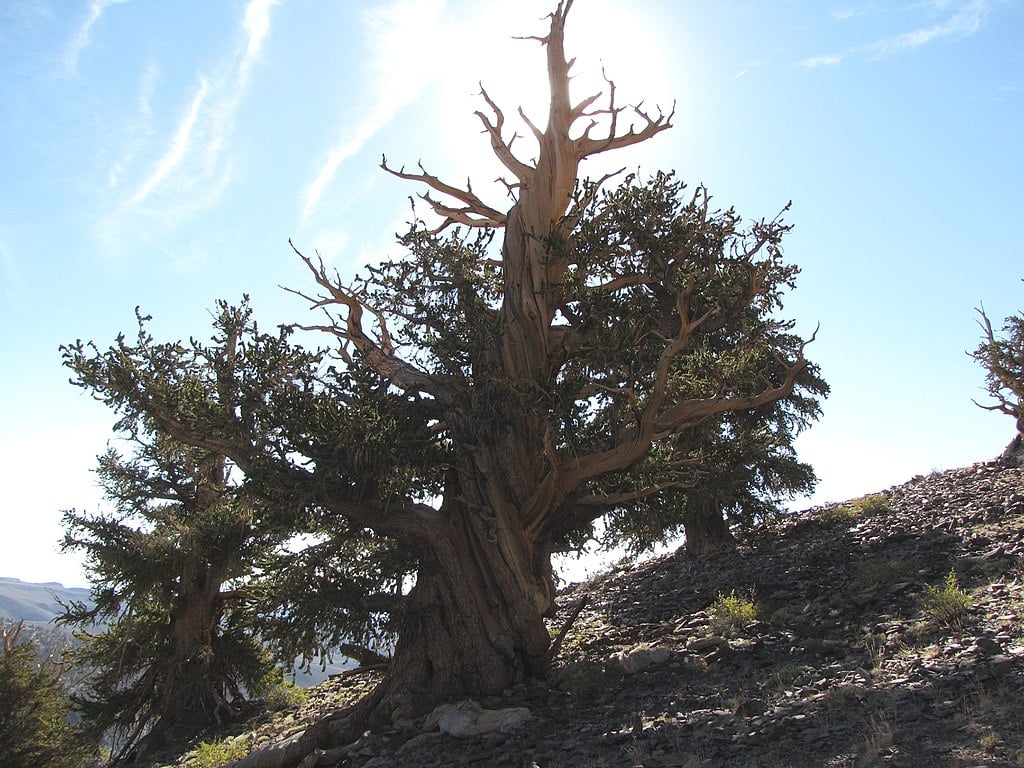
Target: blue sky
161, 154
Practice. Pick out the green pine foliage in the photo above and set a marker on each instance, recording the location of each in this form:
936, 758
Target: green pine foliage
732, 469
277, 401
171, 639
34, 726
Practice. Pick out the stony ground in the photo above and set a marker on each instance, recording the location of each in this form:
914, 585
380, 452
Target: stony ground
861, 653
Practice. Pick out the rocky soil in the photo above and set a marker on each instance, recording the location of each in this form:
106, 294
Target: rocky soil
860, 653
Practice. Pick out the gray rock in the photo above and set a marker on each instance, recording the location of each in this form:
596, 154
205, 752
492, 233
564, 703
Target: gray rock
467, 718
642, 658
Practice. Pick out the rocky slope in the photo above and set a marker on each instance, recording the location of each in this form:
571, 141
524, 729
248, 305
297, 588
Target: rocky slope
861, 652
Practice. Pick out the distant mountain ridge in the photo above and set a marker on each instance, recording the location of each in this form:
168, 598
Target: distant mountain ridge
36, 602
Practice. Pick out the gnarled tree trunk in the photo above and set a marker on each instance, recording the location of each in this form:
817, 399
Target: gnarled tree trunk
707, 532
190, 701
474, 622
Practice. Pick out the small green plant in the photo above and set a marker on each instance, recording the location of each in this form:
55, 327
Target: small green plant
837, 513
284, 694
851, 510
948, 604
213, 754
870, 504
731, 612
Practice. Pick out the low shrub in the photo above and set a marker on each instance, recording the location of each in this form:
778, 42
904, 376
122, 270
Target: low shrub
870, 504
213, 754
865, 505
731, 612
284, 694
948, 604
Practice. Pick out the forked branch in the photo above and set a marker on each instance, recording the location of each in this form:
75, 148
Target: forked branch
475, 213
502, 149
378, 353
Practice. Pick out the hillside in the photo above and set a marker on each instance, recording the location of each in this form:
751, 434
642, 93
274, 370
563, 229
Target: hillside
859, 654
35, 602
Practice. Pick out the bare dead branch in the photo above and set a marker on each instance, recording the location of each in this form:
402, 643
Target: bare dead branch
537, 132
475, 214
502, 149
1003, 407
556, 646
10, 635
580, 109
587, 146
467, 216
378, 353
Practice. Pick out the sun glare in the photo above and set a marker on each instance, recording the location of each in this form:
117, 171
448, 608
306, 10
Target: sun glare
489, 49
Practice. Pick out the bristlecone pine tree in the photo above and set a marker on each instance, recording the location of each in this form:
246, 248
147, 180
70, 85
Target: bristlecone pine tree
34, 727
1002, 357
172, 648
514, 378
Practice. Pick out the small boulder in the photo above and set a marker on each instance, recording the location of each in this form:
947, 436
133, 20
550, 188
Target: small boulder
468, 718
638, 659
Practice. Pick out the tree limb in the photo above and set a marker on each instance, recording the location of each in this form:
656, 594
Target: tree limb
378, 354
502, 149
476, 213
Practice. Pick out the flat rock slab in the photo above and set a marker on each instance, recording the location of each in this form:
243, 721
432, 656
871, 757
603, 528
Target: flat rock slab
467, 718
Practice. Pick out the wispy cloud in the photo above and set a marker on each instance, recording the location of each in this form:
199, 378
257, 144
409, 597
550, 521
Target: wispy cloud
815, 62
405, 38
84, 35
256, 24
965, 21
957, 19
179, 146
749, 67
193, 169
846, 13
136, 128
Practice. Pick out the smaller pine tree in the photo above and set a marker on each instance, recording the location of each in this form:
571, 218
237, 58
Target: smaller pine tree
1002, 357
34, 726
169, 635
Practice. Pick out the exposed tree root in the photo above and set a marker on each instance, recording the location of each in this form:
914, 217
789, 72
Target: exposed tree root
333, 731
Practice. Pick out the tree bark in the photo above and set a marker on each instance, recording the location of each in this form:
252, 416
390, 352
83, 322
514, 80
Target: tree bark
190, 701
473, 625
1013, 454
707, 532
474, 622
